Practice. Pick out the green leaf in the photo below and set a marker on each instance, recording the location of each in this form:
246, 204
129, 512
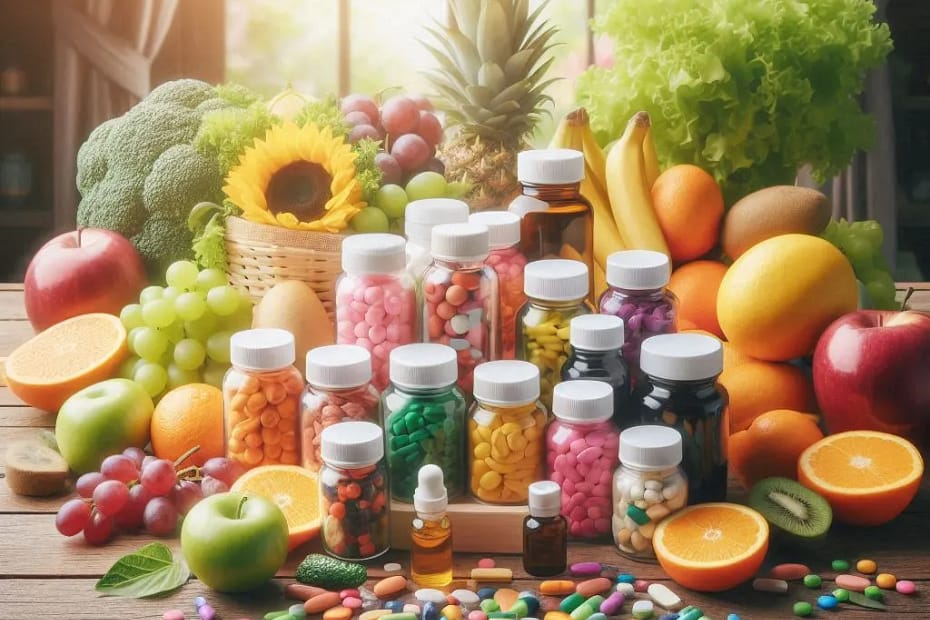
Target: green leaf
863, 601
149, 571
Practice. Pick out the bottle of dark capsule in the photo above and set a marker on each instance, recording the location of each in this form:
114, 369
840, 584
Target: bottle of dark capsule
545, 532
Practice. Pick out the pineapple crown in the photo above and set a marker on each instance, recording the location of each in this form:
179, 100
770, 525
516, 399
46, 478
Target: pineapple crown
490, 54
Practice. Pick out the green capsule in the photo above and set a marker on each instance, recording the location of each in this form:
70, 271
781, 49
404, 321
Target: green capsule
582, 612
506, 615
276, 615
802, 609
637, 514
569, 603
489, 605
520, 608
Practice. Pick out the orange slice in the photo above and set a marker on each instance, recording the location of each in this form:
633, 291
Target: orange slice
67, 357
294, 490
868, 477
712, 547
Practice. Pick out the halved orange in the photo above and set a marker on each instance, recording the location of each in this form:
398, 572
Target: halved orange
868, 477
68, 356
712, 547
294, 490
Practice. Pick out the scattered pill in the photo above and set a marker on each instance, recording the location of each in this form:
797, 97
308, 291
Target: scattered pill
352, 602
430, 595
640, 585
390, 586
663, 596
874, 592
581, 569
866, 567
297, 611
505, 598
690, 614
841, 595
612, 604
802, 609
477, 614
199, 601
492, 574
206, 612
302, 592
400, 616
392, 567
484, 593
173, 614
906, 587
789, 572
557, 587
430, 610
556, 615
395, 606
625, 578
322, 602
886, 581
374, 614
597, 616
486, 563
411, 608
839, 566
626, 589
778, 586
827, 602
343, 594
642, 609
520, 608
812, 581
669, 617
732, 617
852, 582
593, 586
466, 597
569, 603
489, 605
502, 615
280, 614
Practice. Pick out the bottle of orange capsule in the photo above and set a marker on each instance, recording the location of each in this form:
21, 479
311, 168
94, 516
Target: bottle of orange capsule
261, 398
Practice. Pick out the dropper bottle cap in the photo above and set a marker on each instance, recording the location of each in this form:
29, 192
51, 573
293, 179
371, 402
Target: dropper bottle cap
430, 495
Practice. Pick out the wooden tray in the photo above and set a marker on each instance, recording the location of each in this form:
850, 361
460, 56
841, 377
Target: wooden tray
476, 527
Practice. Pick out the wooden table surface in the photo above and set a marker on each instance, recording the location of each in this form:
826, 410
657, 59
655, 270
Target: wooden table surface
45, 575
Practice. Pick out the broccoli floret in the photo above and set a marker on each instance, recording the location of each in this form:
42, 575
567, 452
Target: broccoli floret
187, 93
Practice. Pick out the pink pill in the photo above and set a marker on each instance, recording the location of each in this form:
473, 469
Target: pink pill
789, 572
852, 582
374, 315
364, 342
456, 295
373, 294
358, 293
486, 562
906, 587
346, 332
477, 614
392, 306
173, 614
589, 455
349, 592
640, 585
355, 316
377, 334
352, 602
360, 330
379, 351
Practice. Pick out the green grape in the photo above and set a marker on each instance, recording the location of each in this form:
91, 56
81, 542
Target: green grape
177, 376
174, 332
370, 220
392, 199
127, 370
131, 316
202, 327
223, 300
189, 354
397, 227
858, 252
150, 344
150, 293
190, 306
171, 293
131, 338
458, 189
871, 232
881, 287
158, 313
239, 320
218, 347
152, 377
210, 278
182, 274
214, 372
427, 184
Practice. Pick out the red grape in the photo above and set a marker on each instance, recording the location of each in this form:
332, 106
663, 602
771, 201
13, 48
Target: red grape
119, 467
212, 486
363, 131
99, 530
160, 517
429, 128
355, 117
390, 169
411, 152
400, 115
158, 477
359, 103
130, 517
148, 458
185, 494
86, 484
72, 517
110, 497
423, 104
137, 455
436, 165
223, 469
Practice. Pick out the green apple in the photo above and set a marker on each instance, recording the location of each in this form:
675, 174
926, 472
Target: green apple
234, 542
103, 419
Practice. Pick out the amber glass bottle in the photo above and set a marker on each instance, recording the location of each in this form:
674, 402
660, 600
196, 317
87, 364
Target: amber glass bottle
431, 531
545, 531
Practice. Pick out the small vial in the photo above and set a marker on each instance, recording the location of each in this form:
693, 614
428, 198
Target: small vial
545, 532
431, 531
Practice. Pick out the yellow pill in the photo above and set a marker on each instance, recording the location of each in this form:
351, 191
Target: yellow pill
510, 427
485, 433
866, 566
498, 467
487, 496
492, 574
499, 443
532, 433
516, 442
490, 480
514, 458
479, 468
533, 448
520, 487
482, 450
452, 612
563, 333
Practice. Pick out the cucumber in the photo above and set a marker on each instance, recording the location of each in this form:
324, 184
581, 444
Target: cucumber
329, 573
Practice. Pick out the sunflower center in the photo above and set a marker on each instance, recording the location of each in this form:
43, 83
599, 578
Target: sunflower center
301, 188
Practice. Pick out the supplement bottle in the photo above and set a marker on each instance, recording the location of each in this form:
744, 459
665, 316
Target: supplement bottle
506, 432
648, 486
596, 340
353, 491
261, 399
508, 261
430, 531
581, 454
682, 371
460, 298
423, 415
375, 299
339, 390
545, 533
557, 221
419, 218
556, 291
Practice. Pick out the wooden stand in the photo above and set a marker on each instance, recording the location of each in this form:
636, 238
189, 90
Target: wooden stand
477, 528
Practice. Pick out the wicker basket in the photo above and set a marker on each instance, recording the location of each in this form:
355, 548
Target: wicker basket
259, 256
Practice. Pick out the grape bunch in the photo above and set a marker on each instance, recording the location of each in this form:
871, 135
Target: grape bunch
861, 243
390, 204
179, 333
134, 491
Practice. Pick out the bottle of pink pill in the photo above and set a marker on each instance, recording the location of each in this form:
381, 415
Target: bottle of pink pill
375, 299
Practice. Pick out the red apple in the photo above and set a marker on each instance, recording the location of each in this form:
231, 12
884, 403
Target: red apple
872, 371
81, 271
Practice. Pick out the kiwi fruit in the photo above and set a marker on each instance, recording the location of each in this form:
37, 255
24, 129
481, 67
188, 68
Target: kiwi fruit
32, 468
793, 510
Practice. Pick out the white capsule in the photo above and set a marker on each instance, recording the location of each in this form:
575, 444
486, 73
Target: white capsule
662, 596
778, 586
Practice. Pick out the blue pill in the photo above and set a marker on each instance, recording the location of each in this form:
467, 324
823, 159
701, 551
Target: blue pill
199, 602
827, 602
532, 603
396, 607
597, 616
625, 578
732, 617
484, 593
669, 617
430, 611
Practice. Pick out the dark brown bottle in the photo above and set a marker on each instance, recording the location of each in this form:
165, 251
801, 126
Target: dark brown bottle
545, 532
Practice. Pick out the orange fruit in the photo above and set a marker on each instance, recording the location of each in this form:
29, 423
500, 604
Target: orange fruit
689, 206
187, 416
771, 445
294, 490
68, 356
779, 296
712, 547
695, 284
868, 477
755, 387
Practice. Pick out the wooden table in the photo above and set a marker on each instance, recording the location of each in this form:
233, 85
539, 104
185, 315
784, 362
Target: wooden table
44, 575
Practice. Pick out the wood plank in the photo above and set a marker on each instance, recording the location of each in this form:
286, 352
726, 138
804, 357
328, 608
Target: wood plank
13, 334
23, 416
7, 398
12, 306
480, 527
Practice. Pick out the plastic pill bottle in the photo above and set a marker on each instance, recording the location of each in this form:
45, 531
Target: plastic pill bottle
556, 290
506, 432
353, 491
581, 454
648, 486
339, 390
375, 299
460, 298
419, 218
682, 371
506, 258
545, 533
423, 415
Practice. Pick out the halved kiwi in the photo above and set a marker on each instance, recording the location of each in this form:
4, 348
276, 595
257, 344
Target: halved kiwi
792, 509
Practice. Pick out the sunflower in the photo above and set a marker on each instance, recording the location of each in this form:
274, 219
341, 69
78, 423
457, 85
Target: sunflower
299, 177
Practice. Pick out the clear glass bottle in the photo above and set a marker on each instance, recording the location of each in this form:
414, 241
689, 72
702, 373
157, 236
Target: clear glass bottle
431, 531
637, 294
506, 432
545, 532
423, 415
596, 340
354, 491
506, 258
339, 390
648, 486
261, 399
682, 371
581, 454
376, 304
419, 218
557, 221
556, 290
460, 298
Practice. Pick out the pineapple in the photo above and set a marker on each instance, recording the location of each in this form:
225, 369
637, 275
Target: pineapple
490, 85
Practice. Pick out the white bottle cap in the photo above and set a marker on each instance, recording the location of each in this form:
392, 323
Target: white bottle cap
550, 166
503, 227
373, 253
556, 279
423, 365
421, 215
545, 499
596, 332
430, 495
650, 447
262, 349
459, 242
638, 270
583, 400
338, 366
506, 382
351, 444
681, 357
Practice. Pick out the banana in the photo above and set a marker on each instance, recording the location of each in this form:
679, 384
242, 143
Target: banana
630, 197
651, 159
